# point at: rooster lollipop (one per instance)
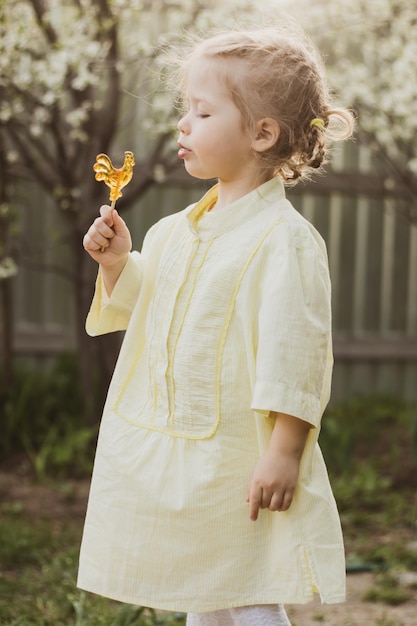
(115, 178)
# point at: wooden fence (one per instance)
(373, 263)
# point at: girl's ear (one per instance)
(266, 134)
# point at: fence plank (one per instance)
(372, 258)
(359, 266)
(334, 247)
(387, 267)
(411, 325)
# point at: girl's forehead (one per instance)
(220, 71)
(205, 75)
(201, 64)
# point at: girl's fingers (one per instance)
(255, 503)
(275, 503)
(266, 499)
(102, 228)
(91, 245)
(106, 213)
(108, 232)
(98, 235)
(94, 240)
(287, 500)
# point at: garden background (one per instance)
(81, 77)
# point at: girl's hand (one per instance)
(108, 239)
(275, 476)
(272, 483)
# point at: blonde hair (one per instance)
(276, 73)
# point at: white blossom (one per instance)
(369, 46)
(8, 268)
(36, 73)
(412, 166)
(371, 54)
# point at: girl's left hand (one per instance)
(273, 482)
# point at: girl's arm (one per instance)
(108, 242)
(275, 476)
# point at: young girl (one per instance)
(209, 493)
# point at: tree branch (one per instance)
(105, 120)
(45, 26)
(35, 170)
(145, 176)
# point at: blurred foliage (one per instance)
(42, 416)
(371, 440)
(38, 561)
(367, 443)
(388, 590)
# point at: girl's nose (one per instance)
(184, 125)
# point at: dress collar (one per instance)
(207, 224)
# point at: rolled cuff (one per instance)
(110, 314)
(277, 397)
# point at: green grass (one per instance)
(386, 622)
(370, 448)
(387, 590)
(38, 563)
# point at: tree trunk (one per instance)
(97, 355)
(86, 348)
(7, 331)
(6, 285)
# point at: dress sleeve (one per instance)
(293, 354)
(109, 314)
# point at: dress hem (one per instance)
(215, 606)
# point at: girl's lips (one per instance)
(183, 152)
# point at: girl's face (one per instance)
(212, 141)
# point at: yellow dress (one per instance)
(228, 318)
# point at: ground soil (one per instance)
(356, 612)
(67, 501)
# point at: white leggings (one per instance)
(259, 615)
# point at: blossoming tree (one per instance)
(371, 55)
(65, 69)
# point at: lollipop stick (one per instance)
(113, 204)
